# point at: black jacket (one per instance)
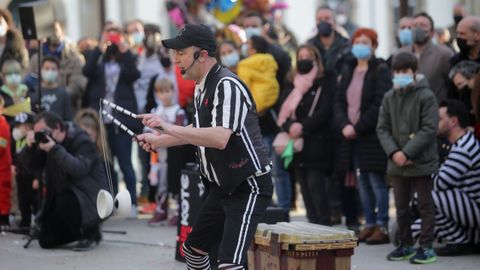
(333, 58)
(377, 81)
(124, 96)
(72, 165)
(317, 150)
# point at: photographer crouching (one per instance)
(73, 174)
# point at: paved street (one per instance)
(147, 248)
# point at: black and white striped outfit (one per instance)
(456, 194)
(238, 176)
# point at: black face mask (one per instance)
(463, 46)
(465, 90)
(304, 66)
(420, 36)
(324, 29)
(165, 61)
(457, 19)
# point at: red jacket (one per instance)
(5, 153)
(186, 88)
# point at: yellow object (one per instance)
(259, 74)
(22, 107)
(229, 16)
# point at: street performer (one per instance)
(232, 157)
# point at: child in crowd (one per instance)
(258, 71)
(407, 128)
(172, 112)
(5, 167)
(12, 90)
(26, 179)
(54, 97)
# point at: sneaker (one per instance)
(148, 208)
(401, 253)
(173, 221)
(158, 219)
(455, 250)
(424, 256)
(133, 212)
(365, 233)
(378, 237)
(85, 245)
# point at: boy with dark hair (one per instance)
(54, 97)
(5, 167)
(407, 129)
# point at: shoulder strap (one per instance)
(315, 101)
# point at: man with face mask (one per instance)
(433, 60)
(332, 46)
(459, 12)
(468, 40)
(73, 176)
(463, 77)
(404, 36)
(71, 63)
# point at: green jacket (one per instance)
(408, 121)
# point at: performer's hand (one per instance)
(146, 141)
(154, 121)
(47, 146)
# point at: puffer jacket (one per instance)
(408, 122)
(259, 74)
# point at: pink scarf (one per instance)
(301, 84)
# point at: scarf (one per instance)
(301, 84)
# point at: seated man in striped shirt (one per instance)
(233, 159)
(456, 190)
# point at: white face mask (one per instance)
(3, 30)
(17, 134)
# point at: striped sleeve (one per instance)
(458, 165)
(230, 105)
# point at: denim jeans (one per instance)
(121, 146)
(374, 194)
(373, 191)
(281, 178)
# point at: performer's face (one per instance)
(185, 60)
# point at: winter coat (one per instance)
(123, 96)
(70, 74)
(72, 165)
(408, 122)
(333, 58)
(15, 48)
(317, 136)
(377, 81)
(258, 72)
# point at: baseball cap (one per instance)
(193, 35)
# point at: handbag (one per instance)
(282, 139)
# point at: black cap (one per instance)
(193, 35)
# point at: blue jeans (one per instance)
(281, 178)
(121, 146)
(373, 191)
(374, 194)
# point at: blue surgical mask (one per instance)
(244, 50)
(361, 51)
(138, 37)
(405, 36)
(13, 79)
(50, 75)
(230, 60)
(253, 31)
(401, 81)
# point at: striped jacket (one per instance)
(461, 169)
(222, 100)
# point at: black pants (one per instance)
(28, 198)
(314, 191)
(231, 220)
(61, 223)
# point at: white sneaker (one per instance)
(133, 212)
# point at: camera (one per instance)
(41, 136)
